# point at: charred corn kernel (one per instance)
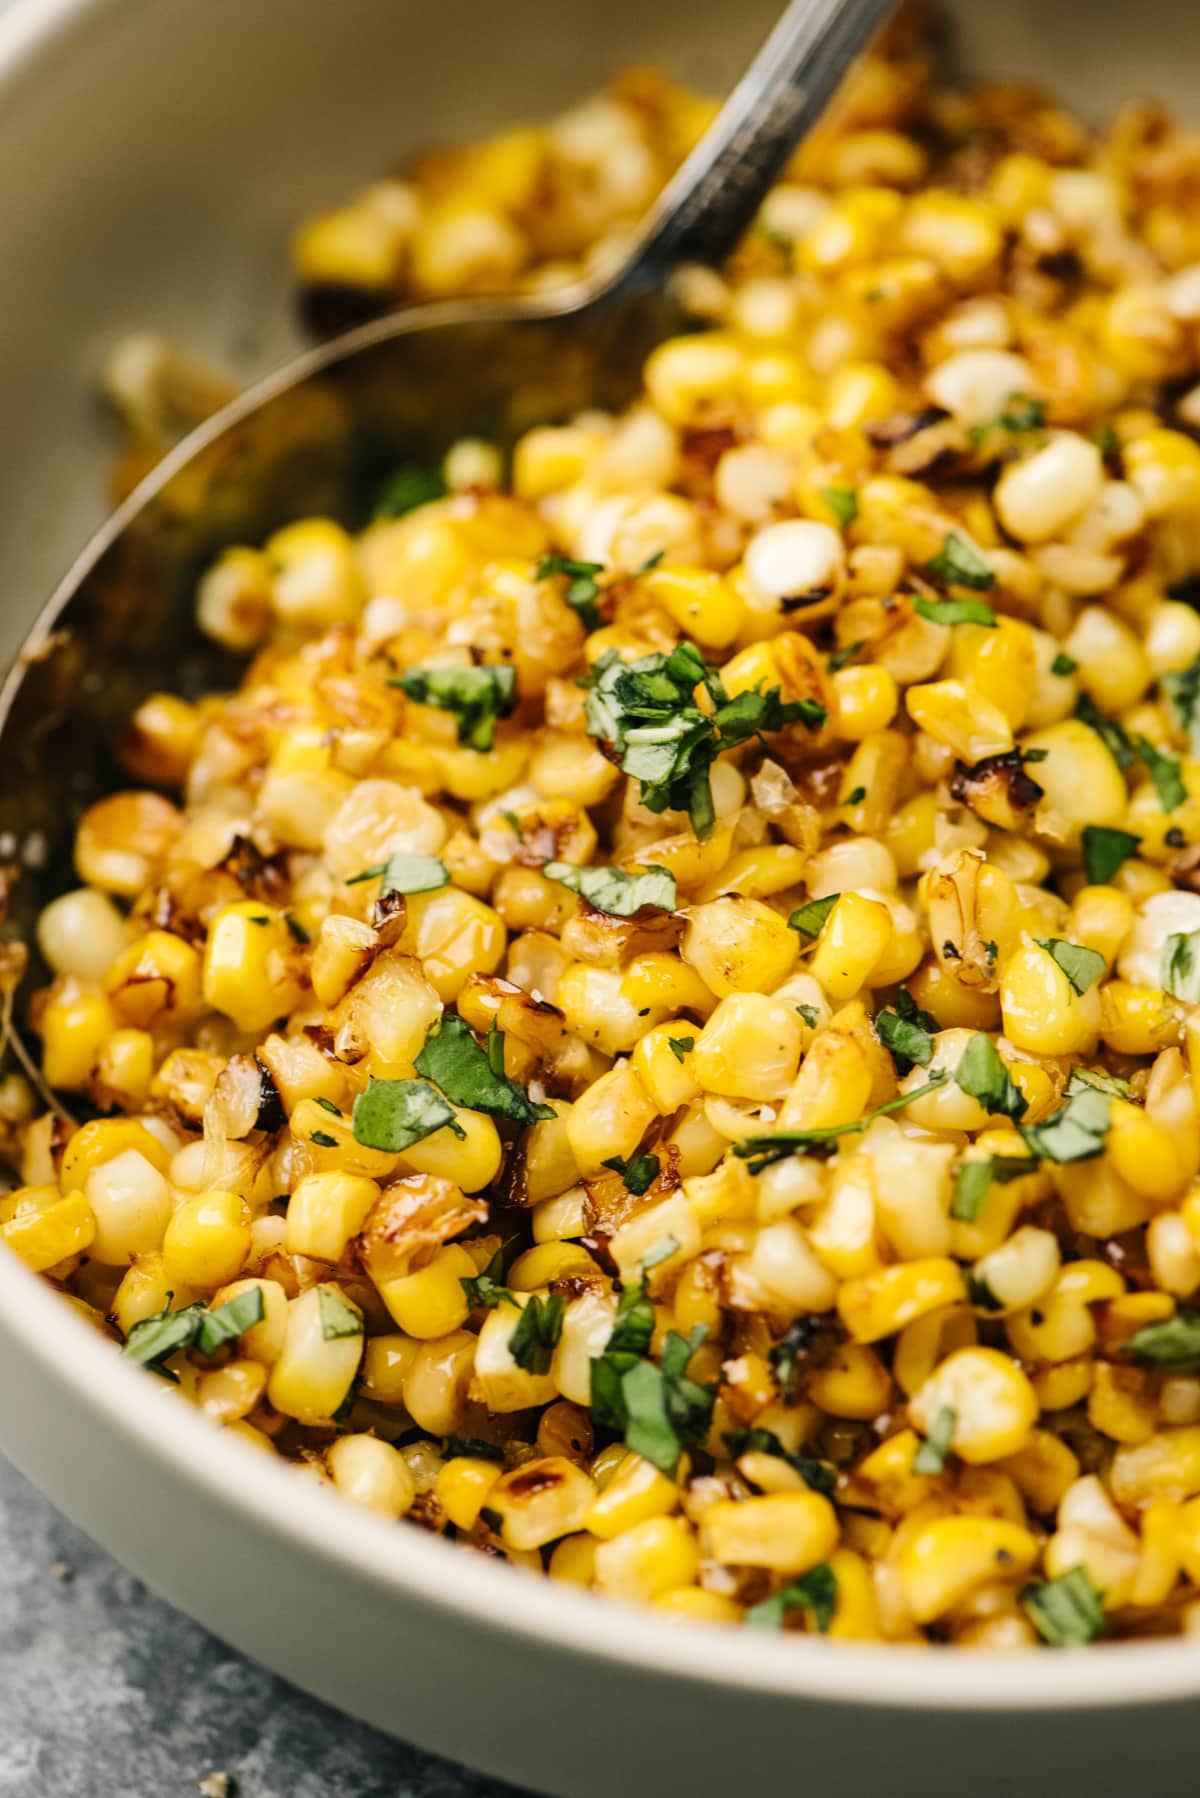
(372, 1475)
(44, 1237)
(653, 1557)
(431, 1302)
(549, 1261)
(541, 1501)
(233, 600)
(325, 1211)
(206, 1241)
(121, 841)
(462, 1488)
(320, 1355)
(343, 950)
(994, 1405)
(249, 966)
(853, 940)
(1164, 468)
(853, 1383)
(156, 979)
(957, 715)
(786, 1531)
(124, 1067)
(610, 1118)
(76, 1024)
(881, 1303)
(1166, 1465)
(1042, 1011)
(948, 1558)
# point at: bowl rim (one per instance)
(410, 1562)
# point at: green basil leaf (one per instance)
(683, 1045)
(808, 919)
(983, 1075)
(582, 590)
(909, 1042)
(842, 502)
(230, 1320)
(959, 563)
(931, 1456)
(152, 1340)
(535, 1338)
(1183, 697)
(1179, 973)
(1166, 774)
(814, 1591)
(1067, 1612)
(763, 1151)
(973, 1181)
(410, 487)
(473, 1447)
(810, 1015)
(405, 873)
(391, 1115)
(338, 1316)
(1076, 1131)
(454, 1061)
(487, 1290)
(1082, 967)
(614, 891)
(819, 1476)
(1115, 740)
(1172, 1342)
(1104, 850)
(1063, 663)
(476, 696)
(955, 611)
(639, 1173)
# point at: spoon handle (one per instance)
(708, 204)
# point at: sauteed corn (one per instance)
(657, 1033)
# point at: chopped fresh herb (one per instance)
(949, 950)
(633, 1326)
(154, 1339)
(973, 1182)
(405, 873)
(656, 1408)
(230, 1320)
(1172, 1342)
(1104, 850)
(809, 1014)
(582, 590)
(296, 928)
(1165, 773)
(1033, 755)
(487, 1289)
(840, 657)
(983, 1075)
(338, 1316)
(1076, 1131)
(513, 822)
(931, 1456)
(808, 919)
(329, 1106)
(454, 1061)
(645, 715)
(410, 487)
(614, 891)
(477, 697)
(955, 611)
(323, 1139)
(1067, 1612)
(393, 1114)
(959, 563)
(533, 1342)
(1023, 413)
(491, 1519)
(980, 1294)
(763, 1151)
(1179, 973)
(639, 1173)
(818, 1475)
(494, 1049)
(1106, 440)
(1115, 740)
(259, 919)
(906, 1032)
(662, 1251)
(842, 502)
(1183, 697)
(473, 1447)
(1063, 663)
(795, 1342)
(681, 1046)
(1082, 967)
(814, 1591)
(855, 796)
(991, 950)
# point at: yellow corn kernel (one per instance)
(651, 1558)
(1159, 1562)
(1121, 1404)
(1146, 1155)
(738, 945)
(1080, 779)
(206, 1241)
(325, 1211)
(1101, 919)
(102, 1140)
(131, 1204)
(788, 1532)
(1164, 468)
(758, 873)
(610, 1118)
(548, 1261)
(881, 1303)
(749, 1048)
(1166, 1465)
(343, 950)
(852, 1383)
(1042, 1011)
(462, 1488)
(1043, 1470)
(574, 1560)
(867, 697)
(44, 1237)
(454, 935)
(431, 1302)
(943, 1562)
(955, 714)
(696, 1605)
(264, 1340)
(855, 1613)
(888, 1471)
(499, 1381)
(550, 1165)
(320, 1355)
(125, 1068)
(663, 980)
(833, 1085)
(685, 374)
(156, 978)
(636, 1491)
(160, 739)
(315, 578)
(853, 941)
(704, 605)
(76, 1024)
(250, 965)
(926, 1341)
(994, 1405)
(121, 841)
(371, 1474)
(998, 664)
(1136, 1020)
(540, 1501)
(666, 1072)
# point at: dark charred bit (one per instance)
(996, 788)
(511, 1192)
(571, 1286)
(898, 427)
(1061, 265)
(796, 602)
(1175, 838)
(1185, 869)
(271, 1114)
(259, 876)
(532, 1480)
(328, 308)
(704, 445)
(597, 1246)
(389, 914)
(321, 1037)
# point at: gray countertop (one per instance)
(105, 1692)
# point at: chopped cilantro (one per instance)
(1165, 773)
(1082, 967)
(639, 1173)
(1063, 663)
(405, 873)
(154, 1339)
(338, 1316)
(955, 611)
(477, 697)
(487, 1289)
(393, 1114)
(1076, 1131)
(906, 1032)
(454, 1061)
(654, 1405)
(582, 590)
(809, 1014)
(842, 502)
(1183, 696)
(1104, 850)
(1115, 740)
(1067, 1612)
(323, 1139)
(410, 487)
(959, 563)
(814, 1591)
(840, 657)
(973, 1181)
(683, 1045)
(808, 919)
(855, 796)
(662, 1251)
(614, 891)
(983, 1075)
(931, 1456)
(1172, 1342)
(535, 1338)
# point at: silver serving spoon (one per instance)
(319, 435)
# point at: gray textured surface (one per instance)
(107, 1693)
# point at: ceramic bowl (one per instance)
(153, 156)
